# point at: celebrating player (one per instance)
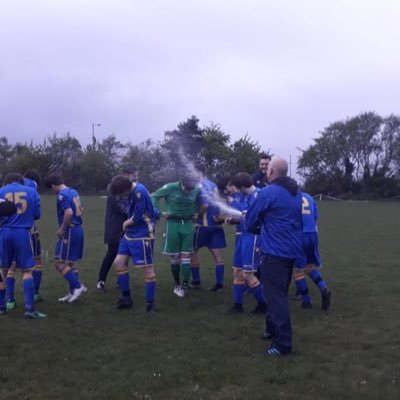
(69, 247)
(208, 233)
(310, 261)
(137, 240)
(246, 256)
(15, 238)
(182, 200)
(31, 179)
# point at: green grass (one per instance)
(193, 349)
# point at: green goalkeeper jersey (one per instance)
(178, 203)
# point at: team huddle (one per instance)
(276, 238)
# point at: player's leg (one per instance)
(37, 269)
(255, 288)
(121, 268)
(150, 285)
(239, 288)
(172, 248)
(186, 269)
(25, 261)
(175, 261)
(315, 274)
(302, 287)
(10, 289)
(186, 249)
(62, 257)
(195, 259)
(250, 261)
(239, 284)
(112, 251)
(142, 257)
(75, 254)
(3, 273)
(217, 242)
(299, 272)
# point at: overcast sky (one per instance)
(280, 70)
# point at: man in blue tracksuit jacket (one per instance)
(276, 214)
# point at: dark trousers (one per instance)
(112, 251)
(276, 274)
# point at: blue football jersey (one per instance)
(249, 201)
(27, 201)
(142, 212)
(208, 197)
(239, 202)
(309, 212)
(69, 198)
(30, 183)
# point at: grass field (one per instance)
(192, 348)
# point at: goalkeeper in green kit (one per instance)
(182, 201)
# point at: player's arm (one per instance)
(7, 208)
(67, 217)
(256, 212)
(119, 204)
(138, 212)
(66, 222)
(159, 194)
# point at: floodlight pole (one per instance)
(93, 137)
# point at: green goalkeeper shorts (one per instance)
(178, 237)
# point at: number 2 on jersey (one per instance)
(305, 209)
(78, 206)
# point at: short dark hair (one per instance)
(129, 169)
(119, 184)
(265, 156)
(53, 179)
(13, 177)
(190, 181)
(33, 175)
(223, 182)
(242, 179)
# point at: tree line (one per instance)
(89, 169)
(356, 157)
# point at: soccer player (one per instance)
(260, 177)
(69, 247)
(116, 213)
(15, 238)
(309, 262)
(182, 200)
(208, 233)
(247, 255)
(32, 180)
(137, 240)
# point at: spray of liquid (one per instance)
(212, 198)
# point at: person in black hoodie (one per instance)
(116, 213)
(260, 177)
(276, 214)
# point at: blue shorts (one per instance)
(212, 237)
(70, 247)
(140, 250)
(16, 245)
(37, 248)
(246, 255)
(310, 251)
